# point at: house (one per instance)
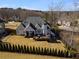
(35, 26)
(2, 27)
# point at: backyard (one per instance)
(21, 40)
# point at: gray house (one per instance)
(2, 27)
(35, 26)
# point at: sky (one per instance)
(37, 4)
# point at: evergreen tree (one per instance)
(42, 51)
(67, 53)
(7, 46)
(10, 47)
(59, 53)
(64, 53)
(56, 52)
(33, 49)
(27, 49)
(36, 50)
(24, 49)
(2, 47)
(50, 51)
(13, 48)
(16, 49)
(53, 52)
(19, 48)
(30, 50)
(45, 52)
(39, 50)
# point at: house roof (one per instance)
(35, 20)
(28, 26)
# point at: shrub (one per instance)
(21, 49)
(34, 50)
(42, 51)
(24, 49)
(30, 49)
(9, 47)
(50, 51)
(27, 49)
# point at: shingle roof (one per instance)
(35, 20)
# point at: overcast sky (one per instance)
(37, 4)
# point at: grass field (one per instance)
(14, 39)
(12, 25)
(8, 55)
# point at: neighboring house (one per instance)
(64, 21)
(2, 27)
(35, 26)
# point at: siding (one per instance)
(19, 30)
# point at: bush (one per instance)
(24, 49)
(50, 51)
(30, 49)
(42, 51)
(21, 49)
(34, 50)
(9, 47)
(27, 49)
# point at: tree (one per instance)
(42, 51)
(56, 52)
(33, 49)
(59, 53)
(55, 6)
(24, 49)
(30, 49)
(36, 50)
(45, 51)
(39, 50)
(27, 49)
(10, 47)
(50, 52)
(19, 48)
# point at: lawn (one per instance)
(12, 25)
(21, 40)
(8, 55)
